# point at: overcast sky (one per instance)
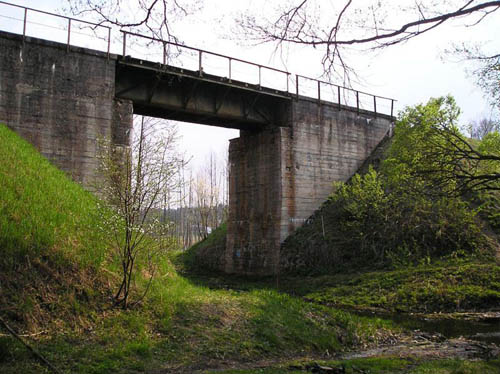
(411, 73)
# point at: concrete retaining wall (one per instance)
(61, 101)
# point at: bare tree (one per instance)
(208, 191)
(134, 181)
(480, 128)
(337, 26)
(155, 17)
(484, 69)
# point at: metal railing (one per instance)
(69, 20)
(339, 95)
(201, 53)
(341, 91)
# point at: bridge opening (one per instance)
(297, 134)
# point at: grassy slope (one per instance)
(56, 278)
(50, 248)
(447, 286)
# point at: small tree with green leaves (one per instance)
(430, 150)
(134, 181)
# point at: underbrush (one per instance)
(190, 326)
(367, 225)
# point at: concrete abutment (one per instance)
(280, 176)
(62, 101)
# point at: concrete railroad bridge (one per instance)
(291, 146)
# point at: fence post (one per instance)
(124, 42)
(297, 85)
(287, 83)
(164, 53)
(260, 76)
(109, 40)
(69, 34)
(24, 24)
(319, 92)
(375, 105)
(392, 107)
(338, 95)
(200, 68)
(229, 69)
(357, 101)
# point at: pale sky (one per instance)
(411, 73)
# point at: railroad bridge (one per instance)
(297, 134)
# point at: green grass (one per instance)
(443, 287)
(50, 245)
(56, 276)
(206, 255)
(42, 213)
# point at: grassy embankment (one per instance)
(57, 277)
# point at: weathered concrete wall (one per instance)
(279, 178)
(254, 202)
(61, 101)
(322, 145)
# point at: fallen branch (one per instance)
(30, 348)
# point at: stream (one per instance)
(483, 327)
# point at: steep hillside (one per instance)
(50, 248)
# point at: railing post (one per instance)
(200, 67)
(319, 92)
(69, 34)
(260, 76)
(287, 83)
(164, 53)
(229, 69)
(338, 95)
(392, 107)
(109, 40)
(375, 104)
(297, 85)
(124, 43)
(24, 23)
(357, 101)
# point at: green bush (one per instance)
(379, 226)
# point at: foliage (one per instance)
(429, 152)
(134, 181)
(45, 288)
(394, 226)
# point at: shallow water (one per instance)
(487, 330)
